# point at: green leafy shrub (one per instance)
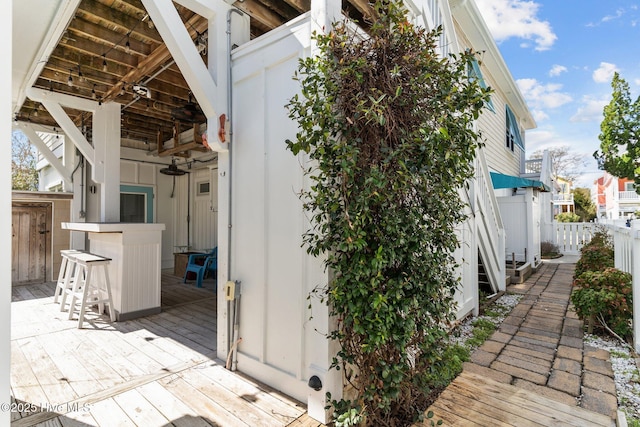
(605, 295)
(600, 238)
(594, 257)
(387, 125)
(567, 217)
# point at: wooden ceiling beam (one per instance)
(364, 7)
(158, 57)
(101, 51)
(301, 6)
(89, 30)
(259, 12)
(114, 19)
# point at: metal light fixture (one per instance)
(70, 79)
(104, 62)
(172, 170)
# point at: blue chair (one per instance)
(201, 264)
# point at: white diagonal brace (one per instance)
(174, 34)
(70, 130)
(40, 95)
(47, 153)
(52, 101)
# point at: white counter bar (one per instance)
(134, 272)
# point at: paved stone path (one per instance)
(539, 346)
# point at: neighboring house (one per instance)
(563, 197)
(615, 198)
(243, 198)
(520, 187)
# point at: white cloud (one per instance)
(556, 70)
(617, 15)
(590, 110)
(541, 96)
(637, 81)
(604, 73)
(517, 18)
(539, 116)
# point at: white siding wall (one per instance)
(204, 211)
(492, 126)
(515, 225)
(281, 344)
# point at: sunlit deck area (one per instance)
(153, 371)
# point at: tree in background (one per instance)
(24, 175)
(619, 152)
(564, 163)
(567, 217)
(585, 208)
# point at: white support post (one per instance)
(106, 168)
(104, 155)
(319, 355)
(531, 224)
(635, 265)
(5, 212)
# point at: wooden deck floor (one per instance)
(155, 371)
(472, 400)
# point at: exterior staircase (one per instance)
(489, 230)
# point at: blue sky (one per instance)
(562, 54)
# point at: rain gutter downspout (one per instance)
(232, 306)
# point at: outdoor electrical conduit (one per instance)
(233, 307)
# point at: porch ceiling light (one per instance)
(172, 170)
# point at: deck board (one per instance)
(479, 401)
(170, 406)
(153, 371)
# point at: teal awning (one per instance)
(507, 181)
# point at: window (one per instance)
(136, 204)
(202, 188)
(132, 207)
(474, 73)
(629, 186)
(513, 136)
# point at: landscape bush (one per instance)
(594, 257)
(605, 297)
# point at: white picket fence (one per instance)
(626, 242)
(570, 237)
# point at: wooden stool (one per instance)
(87, 289)
(65, 277)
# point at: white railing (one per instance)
(491, 235)
(626, 242)
(570, 237)
(533, 166)
(628, 196)
(568, 198)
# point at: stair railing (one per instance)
(490, 230)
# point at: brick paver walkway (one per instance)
(539, 347)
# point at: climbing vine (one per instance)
(387, 125)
